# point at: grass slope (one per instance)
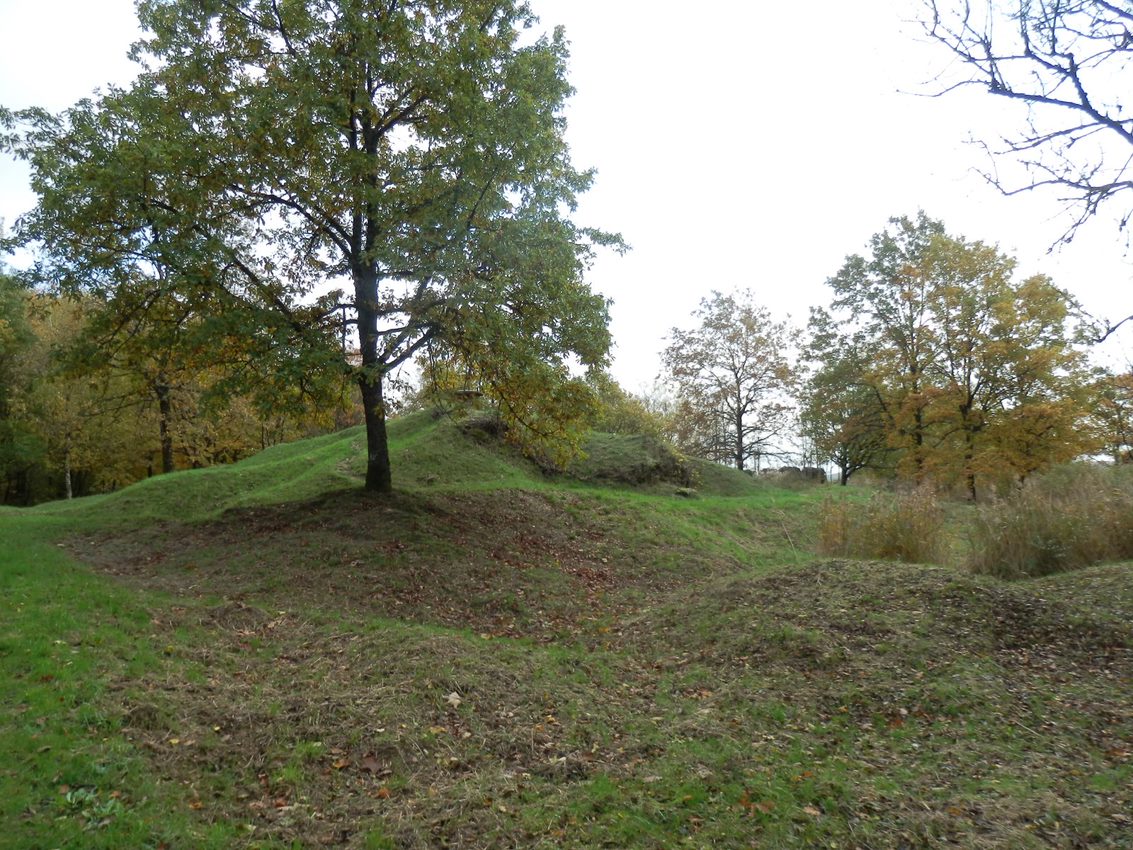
(263, 656)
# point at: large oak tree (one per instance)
(411, 153)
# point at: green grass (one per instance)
(263, 656)
(67, 777)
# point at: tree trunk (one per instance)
(918, 444)
(379, 478)
(378, 475)
(739, 439)
(969, 457)
(165, 414)
(67, 489)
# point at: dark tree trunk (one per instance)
(165, 415)
(378, 475)
(68, 491)
(739, 439)
(918, 443)
(969, 457)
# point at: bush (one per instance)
(620, 412)
(1072, 517)
(904, 526)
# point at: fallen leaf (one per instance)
(454, 699)
(371, 765)
(812, 811)
(382, 793)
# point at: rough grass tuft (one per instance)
(1072, 517)
(906, 526)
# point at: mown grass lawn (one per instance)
(262, 656)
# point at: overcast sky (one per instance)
(740, 145)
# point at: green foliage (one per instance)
(620, 412)
(414, 150)
(841, 414)
(1113, 414)
(625, 445)
(80, 419)
(904, 526)
(534, 401)
(1069, 518)
(21, 449)
(14, 331)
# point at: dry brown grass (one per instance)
(1073, 517)
(905, 526)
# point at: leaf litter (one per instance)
(835, 703)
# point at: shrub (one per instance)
(906, 526)
(1072, 517)
(619, 412)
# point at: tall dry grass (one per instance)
(1071, 517)
(905, 526)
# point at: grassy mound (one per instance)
(633, 459)
(262, 656)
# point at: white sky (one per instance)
(743, 145)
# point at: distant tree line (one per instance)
(78, 416)
(933, 362)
